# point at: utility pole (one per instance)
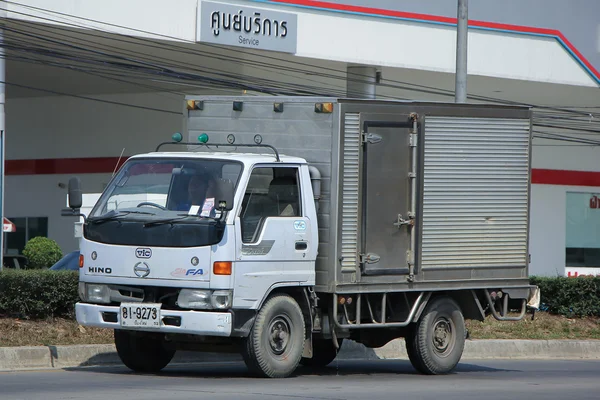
(2, 126)
(462, 26)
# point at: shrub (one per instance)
(579, 297)
(38, 294)
(42, 252)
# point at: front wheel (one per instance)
(275, 344)
(142, 353)
(436, 343)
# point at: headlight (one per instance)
(96, 293)
(197, 299)
(221, 299)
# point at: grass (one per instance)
(14, 332)
(544, 326)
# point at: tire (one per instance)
(142, 353)
(324, 352)
(438, 339)
(274, 347)
(411, 350)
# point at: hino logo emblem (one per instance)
(141, 269)
(143, 252)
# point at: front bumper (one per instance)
(173, 321)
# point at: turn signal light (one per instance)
(195, 105)
(81, 261)
(222, 268)
(324, 107)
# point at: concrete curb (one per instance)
(488, 349)
(56, 357)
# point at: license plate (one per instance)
(140, 315)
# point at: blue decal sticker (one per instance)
(300, 225)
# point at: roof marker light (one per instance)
(203, 138)
(324, 107)
(177, 137)
(195, 104)
(238, 105)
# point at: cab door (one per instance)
(273, 235)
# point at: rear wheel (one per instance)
(436, 343)
(324, 352)
(275, 344)
(142, 352)
(411, 350)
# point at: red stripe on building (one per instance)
(446, 20)
(106, 165)
(564, 177)
(54, 166)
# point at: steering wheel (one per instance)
(148, 203)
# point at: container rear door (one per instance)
(476, 196)
(386, 195)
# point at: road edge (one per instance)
(58, 357)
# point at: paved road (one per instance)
(381, 379)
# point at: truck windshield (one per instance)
(165, 188)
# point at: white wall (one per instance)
(40, 196)
(547, 230)
(339, 37)
(547, 238)
(428, 47)
(148, 18)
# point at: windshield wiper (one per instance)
(175, 219)
(167, 220)
(112, 215)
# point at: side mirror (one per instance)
(75, 199)
(225, 195)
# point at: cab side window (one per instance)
(271, 192)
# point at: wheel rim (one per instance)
(279, 334)
(443, 337)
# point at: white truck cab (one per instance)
(159, 260)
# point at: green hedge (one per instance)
(42, 252)
(572, 297)
(35, 294)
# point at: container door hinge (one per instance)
(413, 140)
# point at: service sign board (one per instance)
(248, 27)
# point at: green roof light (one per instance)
(203, 138)
(177, 137)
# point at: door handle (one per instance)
(301, 245)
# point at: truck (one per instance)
(313, 220)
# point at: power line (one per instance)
(437, 91)
(91, 98)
